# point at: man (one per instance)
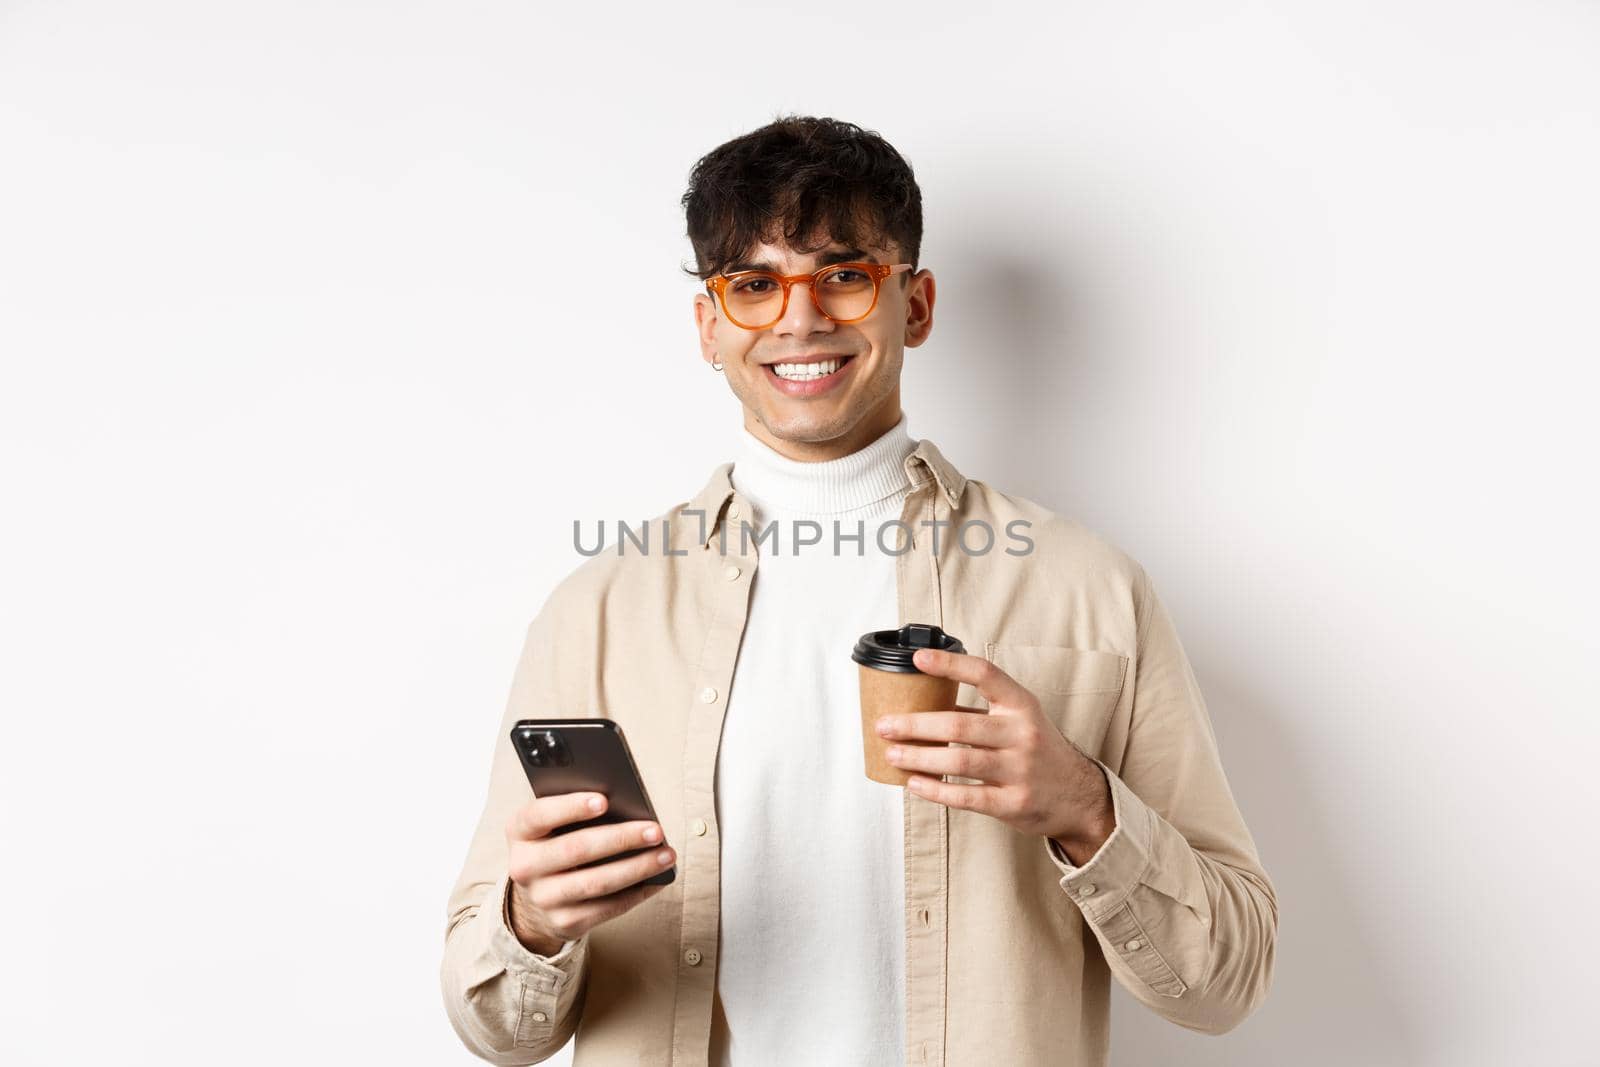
(1067, 821)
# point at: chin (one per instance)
(805, 430)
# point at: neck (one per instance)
(869, 429)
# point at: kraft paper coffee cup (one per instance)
(892, 685)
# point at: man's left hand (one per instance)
(1034, 779)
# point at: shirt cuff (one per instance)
(1104, 882)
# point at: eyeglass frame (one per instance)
(718, 285)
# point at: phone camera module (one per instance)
(546, 750)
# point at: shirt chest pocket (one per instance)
(1077, 687)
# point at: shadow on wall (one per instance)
(1329, 1003)
(1032, 366)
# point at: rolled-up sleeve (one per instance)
(1177, 896)
(507, 1004)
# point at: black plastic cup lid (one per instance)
(891, 650)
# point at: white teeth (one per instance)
(806, 372)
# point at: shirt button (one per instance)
(708, 695)
(540, 1017)
(730, 573)
(733, 511)
(699, 827)
(1086, 889)
(692, 957)
(1134, 946)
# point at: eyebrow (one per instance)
(827, 259)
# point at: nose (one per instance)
(801, 317)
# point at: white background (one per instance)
(321, 322)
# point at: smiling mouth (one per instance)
(808, 372)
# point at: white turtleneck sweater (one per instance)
(811, 967)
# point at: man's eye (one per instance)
(753, 285)
(847, 276)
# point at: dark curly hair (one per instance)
(801, 178)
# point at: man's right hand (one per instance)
(551, 901)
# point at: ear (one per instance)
(919, 308)
(705, 325)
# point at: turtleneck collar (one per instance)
(774, 482)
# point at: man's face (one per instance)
(848, 409)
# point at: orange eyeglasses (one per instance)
(843, 292)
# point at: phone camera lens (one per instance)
(546, 750)
(557, 752)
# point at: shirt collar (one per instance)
(925, 463)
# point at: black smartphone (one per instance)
(588, 756)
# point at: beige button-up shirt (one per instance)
(1009, 948)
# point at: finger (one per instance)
(592, 913)
(984, 763)
(563, 852)
(980, 798)
(592, 883)
(969, 726)
(541, 816)
(996, 685)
